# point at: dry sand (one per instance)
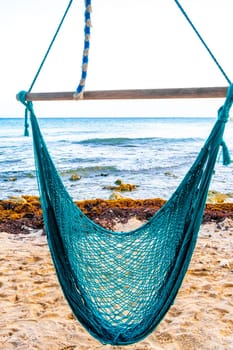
(35, 315)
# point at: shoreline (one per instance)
(20, 214)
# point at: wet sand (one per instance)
(35, 315)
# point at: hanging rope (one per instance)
(79, 91)
(202, 40)
(87, 31)
(87, 28)
(21, 96)
(50, 46)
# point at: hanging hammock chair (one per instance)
(120, 285)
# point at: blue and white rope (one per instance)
(87, 31)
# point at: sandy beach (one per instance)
(35, 315)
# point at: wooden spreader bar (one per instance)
(171, 93)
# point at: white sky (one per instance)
(134, 44)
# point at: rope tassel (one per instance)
(26, 124)
(223, 116)
(226, 158)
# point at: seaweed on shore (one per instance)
(22, 214)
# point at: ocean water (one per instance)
(152, 153)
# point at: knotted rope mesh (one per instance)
(120, 285)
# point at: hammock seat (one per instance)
(120, 285)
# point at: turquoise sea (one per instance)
(152, 153)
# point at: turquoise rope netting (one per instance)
(120, 285)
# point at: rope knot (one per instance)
(22, 97)
(223, 112)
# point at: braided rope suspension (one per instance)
(50, 45)
(87, 31)
(203, 41)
